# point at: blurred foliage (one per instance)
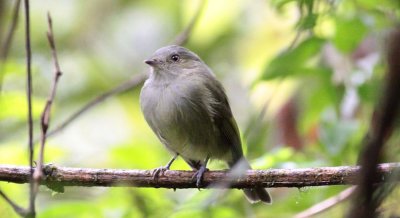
(323, 56)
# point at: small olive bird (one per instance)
(188, 110)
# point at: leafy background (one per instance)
(302, 78)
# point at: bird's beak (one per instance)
(152, 62)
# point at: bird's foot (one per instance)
(159, 171)
(199, 176)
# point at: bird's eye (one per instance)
(175, 58)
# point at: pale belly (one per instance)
(183, 126)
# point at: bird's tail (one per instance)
(253, 195)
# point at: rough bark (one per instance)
(322, 176)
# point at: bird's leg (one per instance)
(157, 171)
(200, 172)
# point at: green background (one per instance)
(316, 65)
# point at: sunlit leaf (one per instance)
(349, 33)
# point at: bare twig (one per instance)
(365, 202)
(126, 86)
(5, 48)
(323, 176)
(19, 210)
(30, 212)
(45, 118)
(326, 204)
(135, 81)
(184, 35)
(31, 207)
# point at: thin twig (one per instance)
(5, 48)
(29, 96)
(326, 204)
(322, 176)
(30, 212)
(126, 86)
(45, 118)
(135, 81)
(295, 40)
(184, 35)
(19, 210)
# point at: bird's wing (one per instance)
(221, 115)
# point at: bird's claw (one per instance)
(156, 172)
(199, 176)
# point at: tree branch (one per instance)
(5, 48)
(322, 176)
(326, 204)
(366, 202)
(19, 210)
(126, 86)
(184, 35)
(45, 118)
(31, 208)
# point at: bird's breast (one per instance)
(183, 120)
(158, 104)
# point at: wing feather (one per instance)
(221, 114)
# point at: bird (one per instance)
(188, 110)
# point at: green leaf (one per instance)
(294, 61)
(55, 188)
(308, 22)
(349, 33)
(320, 94)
